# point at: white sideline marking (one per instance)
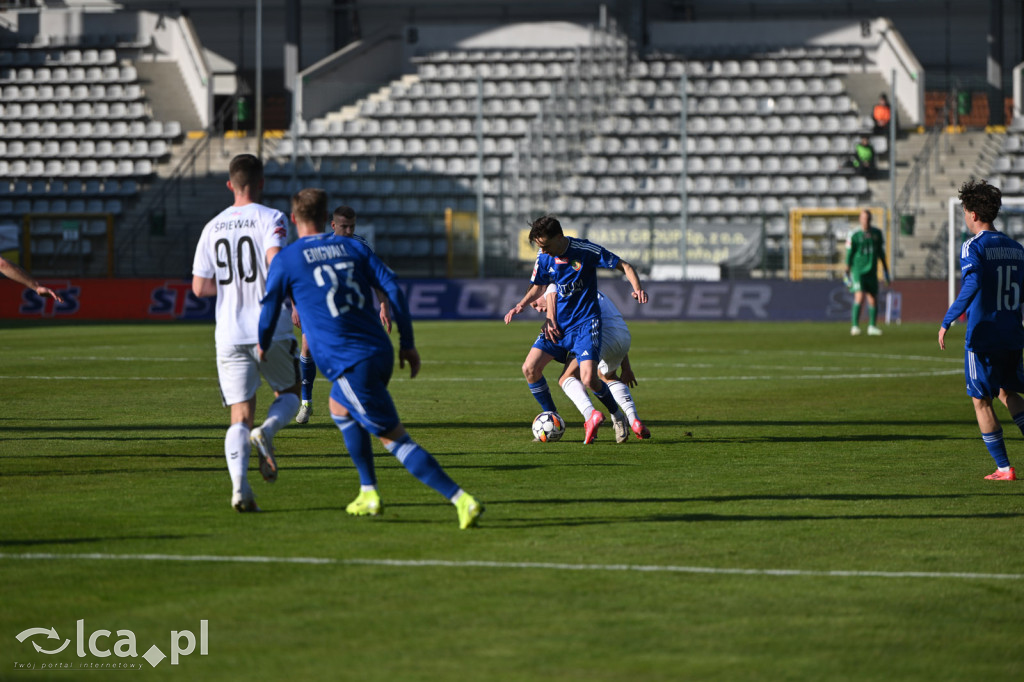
(428, 563)
(422, 379)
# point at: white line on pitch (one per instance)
(429, 563)
(422, 379)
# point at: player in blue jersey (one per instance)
(343, 222)
(615, 343)
(992, 279)
(330, 279)
(571, 265)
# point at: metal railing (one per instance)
(169, 192)
(908, 201)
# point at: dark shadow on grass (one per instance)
(164, 455)
(880, 422)
(709, 423)
(82, 541)
(831, 497)
(862, 438)
(509, 524)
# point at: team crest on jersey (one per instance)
(576, 265)
(280, 229)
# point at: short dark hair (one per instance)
(546, 226)
(309, 205)
(982, 198)
(245, 170)
(345, 212)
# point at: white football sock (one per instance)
(624, 398)
(236, 451)
(282, 411)
(577, 393)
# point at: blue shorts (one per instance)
(986, 373)
(363, 390)
(583, 341)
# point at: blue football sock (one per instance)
(996, 447)
(542, 393)
(422, 465)
(607, 399)
(357, 440)
(1018, 419)
(307, 370)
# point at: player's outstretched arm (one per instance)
(531, 294)
(18, 274)
(634, 279)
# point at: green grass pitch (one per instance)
(811, 507)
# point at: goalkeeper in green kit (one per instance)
(864, 249)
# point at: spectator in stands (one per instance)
(16, 273)
(863, 159)
(882, 113)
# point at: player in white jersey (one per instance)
(231, 261)
(615, 344)
(343, 222)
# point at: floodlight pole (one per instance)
(480, 175)
(893, 218)
(259, 79)
(683, 195)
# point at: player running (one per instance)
(615, 343)
(992, 274)
(330, 279)
(231, 263)
(343, 222)
(571, 264)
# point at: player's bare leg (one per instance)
(533, 370)
(589, 377)
(992, 436)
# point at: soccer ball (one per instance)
(548, 427)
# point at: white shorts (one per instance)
(239, 369)
(614, 347)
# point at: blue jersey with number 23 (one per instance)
(331, 281)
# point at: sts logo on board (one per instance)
(44, 306)
(175, 299)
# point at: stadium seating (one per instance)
(765, 132)
(74, 120)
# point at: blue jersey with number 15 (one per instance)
(331, 281)
(992, 274)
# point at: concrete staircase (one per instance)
(165, 92)
(959, 156)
